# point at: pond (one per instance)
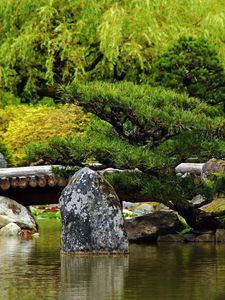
(34, 269)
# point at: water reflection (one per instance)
(30, 269)
(33, 270)
(174, 271)
(93, 277)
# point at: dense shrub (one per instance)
(192, 65)
(23, 124)
(7, 98)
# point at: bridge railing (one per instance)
(34, 176)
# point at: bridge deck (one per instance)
(38, 185)
(31, 185)
(23, 177)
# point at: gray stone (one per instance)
(92, 220)
(220, 235)
(149, 227)
(127, 205)
(212, 166)
(171, 238)
(191, 168)
(3, 163)
(163, 207)
(206, 237)
(198, 200)
(144, 208)
(10, 230)
(11, 211)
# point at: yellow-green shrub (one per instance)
(20, 125)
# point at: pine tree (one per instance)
(151, 129)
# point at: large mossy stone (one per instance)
(217, 205)
(92, 220)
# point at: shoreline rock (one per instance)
(150, 226)
(14, 218)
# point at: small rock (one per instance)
(171, 238)
(10, 230)
(189, 237)
(198, 200)
(144, 209)
(206, 237)
(127, 205)
(162, 207)
(11, 211)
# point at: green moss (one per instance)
(216, 205)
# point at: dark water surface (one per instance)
(34, 269)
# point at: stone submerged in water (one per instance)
(92, 220)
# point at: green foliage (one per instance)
(45, 212)
(7, 98)
(47, 43)
(151, 129)
(20, 125)
(144, 115)
(99, 143)
(216, 184)
(127, 182)
(6, 153)
(192, 65)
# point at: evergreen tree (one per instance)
(192, 66)
(151, 129)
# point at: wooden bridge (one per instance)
(38, 185)
(31, 185)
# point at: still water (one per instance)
(34, 269)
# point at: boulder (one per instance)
(212, 166)
(92, 220)
(13, 212)
(10, 230)
(217, 205)
(3, 163)
(149, 227)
